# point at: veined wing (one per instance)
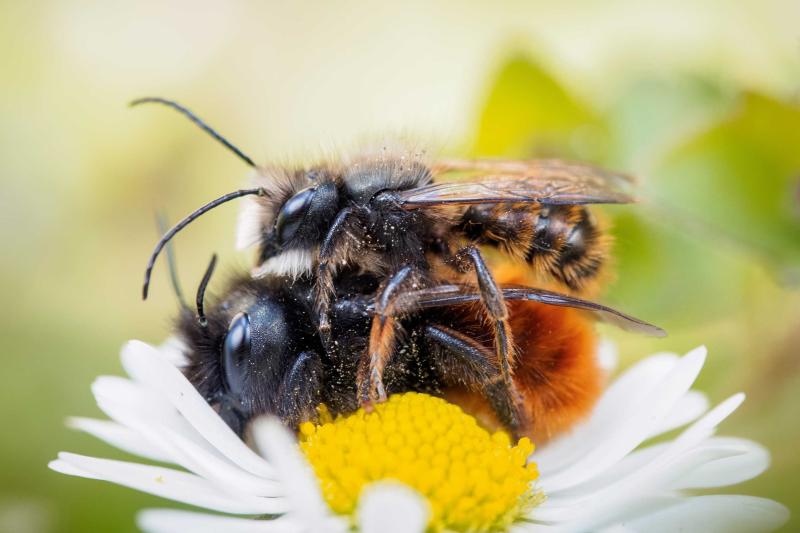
(546, 181)
(447, 295)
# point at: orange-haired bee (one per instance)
(389, 217)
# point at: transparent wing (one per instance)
(447, 295)
(545, 181)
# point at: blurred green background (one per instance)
(699, 99)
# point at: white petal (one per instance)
(296, 476)
(135, 404)
(714, 514)
(134, 395)
(751, 462)
(167, 483)
(165, 428)
(606, 495)
(69, 469)
(594, 519)
(171, 521)
(147, 412)
(637, 423)
(174, 350)
(132, 404)
(708, 423)
(145, 364)
(633, 383)
(533, 527)
(628, 466)
(695, 437)
(607, 355)
(623, 498)
(597, 507)
(388, 507)
(213, 466)
(692, 405)
(120, 437)
(627, 390)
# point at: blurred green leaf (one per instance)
(654, 112)
(722, 200)
(669, 272)
(738, 181)
(528, 112)
(669, 275)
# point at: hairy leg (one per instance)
(301, 391)
(470, 258)
(382, 336)
(324, 289)
(462, 361)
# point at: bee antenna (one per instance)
(161, 221)
(198, 121)
(201, 291)
(185, 222)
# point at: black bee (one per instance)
(384, 217)
(256, 351)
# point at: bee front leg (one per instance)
(301, 390)
(324, 290)
(369, 379)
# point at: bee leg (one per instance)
(470, 258)
(301, 391)
(462, 361)
(382, 337)
(324, 289)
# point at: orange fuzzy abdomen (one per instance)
(556, 367)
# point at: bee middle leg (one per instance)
(470, 258)
(369, 379)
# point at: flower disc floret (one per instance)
(473, 480)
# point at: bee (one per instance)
(256, 351)
(391, 218)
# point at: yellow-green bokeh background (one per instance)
(698, 98)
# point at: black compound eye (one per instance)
(236, 352)
(292, 214)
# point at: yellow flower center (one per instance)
(472, 480)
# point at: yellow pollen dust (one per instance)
(473, 480)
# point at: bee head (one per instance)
(290, 220)
(241, 352)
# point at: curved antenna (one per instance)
(201, 291)
(185, 222)
(161, 221)
(197, 120)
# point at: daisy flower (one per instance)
(418, 463)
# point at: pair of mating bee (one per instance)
(370, 280)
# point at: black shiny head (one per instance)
(243, 360)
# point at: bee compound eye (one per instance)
(292, 214)
(236, 352)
